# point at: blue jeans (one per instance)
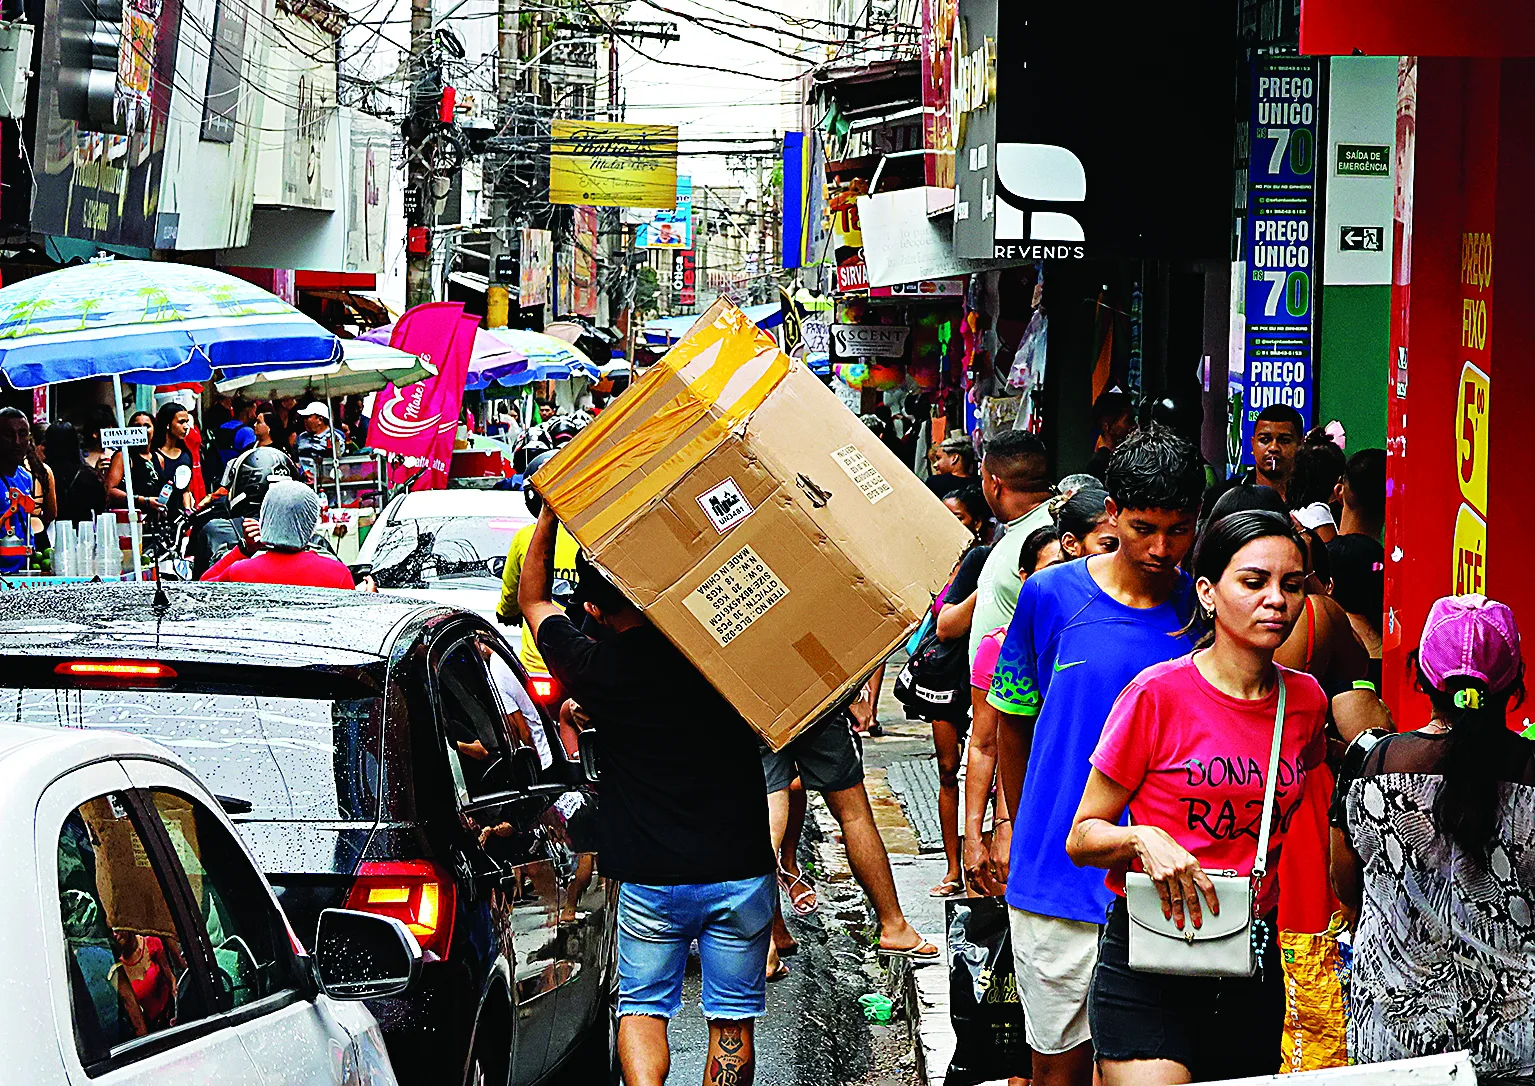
(732, 922)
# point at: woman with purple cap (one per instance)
(1433, 846)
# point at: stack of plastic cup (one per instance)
(63, 533)
(110, 547)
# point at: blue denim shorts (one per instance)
(732, 922)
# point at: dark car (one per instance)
(377, 755)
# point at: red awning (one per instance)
(317, 280)
(1433, 28)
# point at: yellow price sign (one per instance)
(1471, 436)
(1469, 567)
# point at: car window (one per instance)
(252, 954)
(523, 721)
(128, 973)
(289, 758)
(472, 724)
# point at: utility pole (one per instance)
(420, 198)
(498, 297)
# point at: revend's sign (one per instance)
(1049, 164)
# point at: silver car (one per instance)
(146, 946)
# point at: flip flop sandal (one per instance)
(780, 973)
(947, 888)
(803, 901)
(922, 952)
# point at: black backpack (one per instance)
(936, 677)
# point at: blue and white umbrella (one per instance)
(548, 359)
(154, 320)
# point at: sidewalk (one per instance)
(901, 772)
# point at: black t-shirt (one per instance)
(944, 485)
(968, 576)
(682, 798)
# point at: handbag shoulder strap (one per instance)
(1261, 862)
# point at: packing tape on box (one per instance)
(728, 368)
(821, 661)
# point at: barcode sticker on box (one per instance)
(861, 470)
(736, 595)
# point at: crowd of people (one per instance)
(1172, 679)
(221, 469)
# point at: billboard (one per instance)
(608, 164)
(584, 264)
(670, 229)
(535, 262)
(100, 138)
(940, 20)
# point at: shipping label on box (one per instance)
(739, 594)
(861, 470)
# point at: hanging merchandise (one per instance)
(852, 374)
(885, 374)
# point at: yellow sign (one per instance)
(1469, 573)
(607, 164)
(1471, 436)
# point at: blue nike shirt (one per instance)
(1070, 650)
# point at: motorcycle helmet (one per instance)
(531, 497)
(253, 473)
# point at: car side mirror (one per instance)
(364, 956)
(587, 744)
(496, 565)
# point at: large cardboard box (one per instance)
(757, 521)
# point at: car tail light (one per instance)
(542, 688)
(416, 892)
(124, 670)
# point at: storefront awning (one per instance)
(1467, 28)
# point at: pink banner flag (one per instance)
(406, 421)
(450, 403)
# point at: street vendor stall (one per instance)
(158, 322)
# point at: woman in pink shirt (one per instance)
(1186, 751)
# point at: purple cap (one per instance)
(1471, 636)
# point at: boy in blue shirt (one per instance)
(15, 443)
(1082, 631)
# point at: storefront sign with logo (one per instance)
(687, 294)
(869, 340)
(1280, 242)
(1041, 173)
(852, 275)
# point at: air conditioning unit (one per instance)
(15, 67)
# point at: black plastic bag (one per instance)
(989, 1041)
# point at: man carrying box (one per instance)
(682, 821)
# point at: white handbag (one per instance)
(1224, 945)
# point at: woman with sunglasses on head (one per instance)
(1432, 853)
(1209, 753)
